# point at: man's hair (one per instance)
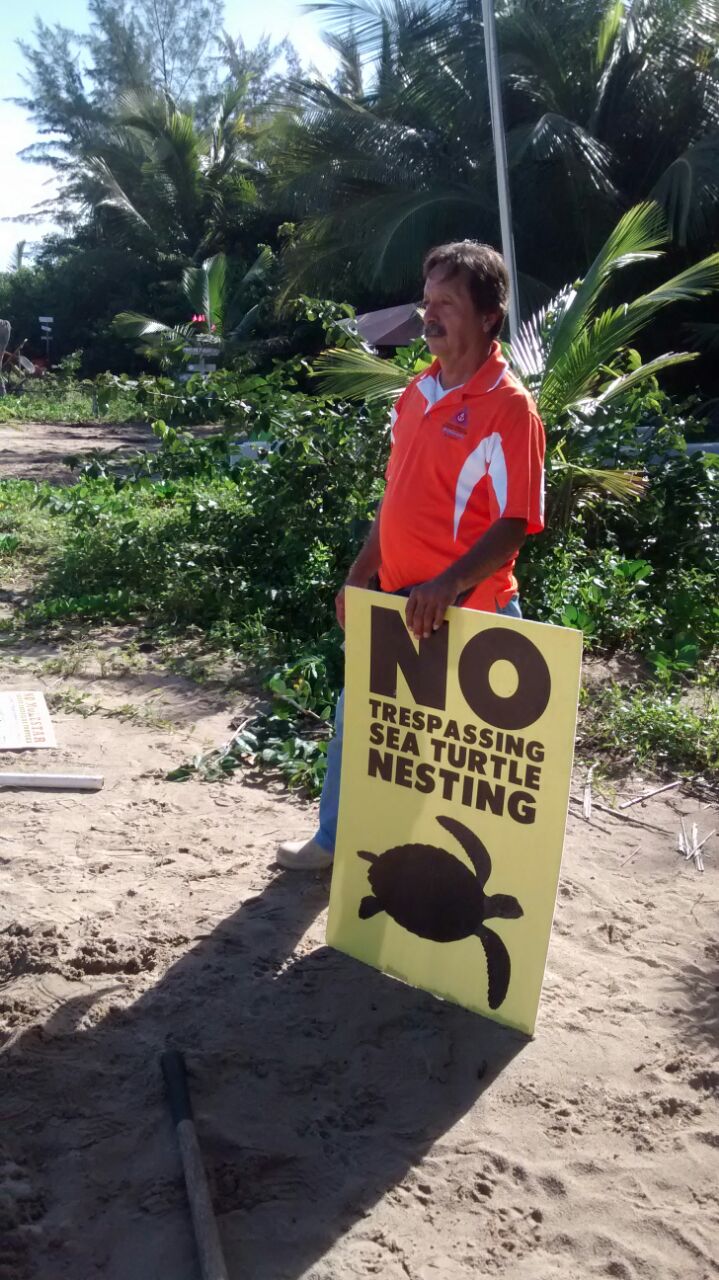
(484, 270)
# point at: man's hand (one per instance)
(428, 604)
(354, 580)
(364, 568)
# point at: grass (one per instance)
(652, 725)
(54, 403)
(73, 702)
(80, 656)
(160, 555)
(76, 702)
(29, 531)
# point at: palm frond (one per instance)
(530, 349)
(216, 273)
(619, 386)
(636, 238)
(412, 20)
(355, 374)
(260, 267)
(162, 342)
(115, 197)
(18, 256)
(626, 486)
(571, 378)
(609, 29)
(204, 288)
(705, 334)
(696, 282)
(688, 191)
(245, 325)
(555, 138)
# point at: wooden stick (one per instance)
(207, 1238)
(684, 845)
(626, 804)
(588, 794)
(54, 781)
(623, 817)
(633, 854)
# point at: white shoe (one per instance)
(308, 855)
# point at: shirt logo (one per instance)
(457, 428)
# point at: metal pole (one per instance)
(500, 152)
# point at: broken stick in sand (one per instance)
(626, 804)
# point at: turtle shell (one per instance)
(428, 891)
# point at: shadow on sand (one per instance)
(318, 1084)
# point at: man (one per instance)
(465, 481)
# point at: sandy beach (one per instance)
(351, 1126)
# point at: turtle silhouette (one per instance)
(430, 893)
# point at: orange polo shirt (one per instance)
(457, 465)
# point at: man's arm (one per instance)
(428, 604)
(364, 568)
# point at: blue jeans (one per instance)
(326, 834)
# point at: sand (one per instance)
(351, 1126)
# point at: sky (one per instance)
(22, 185)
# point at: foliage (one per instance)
(261, 519)
(59, 396)
(651, 725)
(83, 289)
(290, 739)
(28, 533)
(597, 590)
(605, 105)
(248, 545)
(152, 123)
(168, 186)
(173, 143)
(132, 45)
(219, 321)
(202, 533)
(575, 358)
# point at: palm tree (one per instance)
(218, 319)
(575, 357)
(171, 190)
(608, 102)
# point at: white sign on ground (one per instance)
(25, 721)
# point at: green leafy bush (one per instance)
(28, 532)
(651, 725)
(290, 739)
(60, 396)
(209, 535)
(598, 590)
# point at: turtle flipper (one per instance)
(499, 966)
(369, 907)
(367, 857)
(472, 846)
(502, 906)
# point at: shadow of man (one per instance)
(318, 1085)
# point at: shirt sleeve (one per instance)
(393, 416)
(523, 448)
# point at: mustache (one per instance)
(434, 330)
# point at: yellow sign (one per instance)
(456, 766)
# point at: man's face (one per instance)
(452, 323)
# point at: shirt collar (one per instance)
(486, 379)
